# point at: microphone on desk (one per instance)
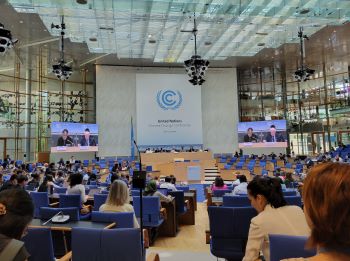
(58, 213)
(59, 217)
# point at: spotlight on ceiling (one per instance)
(195, 66)
(62, 71)
(6, 40)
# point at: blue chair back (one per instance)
(99, 199)
(108, 244)
(46, 213)
(38, 243)
(104, 192)
(151, 211)
(85, 163)
(67, 201)
(236, 201)
(40, 199)
(179, 201)
(183, 188)
(289, 193)
(60, 190)
(93, 184)
(294, 200)
(122, 219)
(289, 165)
(229, 228)
(284, 247)
(135, 192)
(220, 192)
(164, 191)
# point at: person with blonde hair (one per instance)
(118, 200)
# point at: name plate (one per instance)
(61, 148)
(84, 147)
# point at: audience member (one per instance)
(274, 217)
(242, 187)
(47, 185)
(16, 212)
(326, 198)
(76, 187)
(22, 181)
(35, 181)
(168, 185)
(118, 200)
(151, 190)
(218, 184)
(11, 183)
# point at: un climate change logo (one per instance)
(169, 99)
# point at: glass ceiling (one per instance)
(151, 29)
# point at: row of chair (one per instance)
(106, 244)
(229, 241)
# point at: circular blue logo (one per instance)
(169, 99)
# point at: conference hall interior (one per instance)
(174, 130)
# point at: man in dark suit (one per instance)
(87, 140)
(64, 140)
(273, 136)
(250, 136)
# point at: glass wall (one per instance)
(317, 110)
(31, 98)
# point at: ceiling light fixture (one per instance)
(6, 41)
(196, 66)
(61, 70)
(303, 73)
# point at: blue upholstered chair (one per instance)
(229, 229)
(60, 190)
(183, 188)
(164, 191)
(283, 247)
(289, 193)
(99, 199)
(179, 201)
(73, 212)
(40, 199)
(235, 201)
(151, 211)
(135, 193)
(294, 200)
(72, 201)
(85, 163)
(104, 192)
(122, 219)
(108, 244)
(289, 165)
(221, 192)
(38, 243)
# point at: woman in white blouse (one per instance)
(274, 217)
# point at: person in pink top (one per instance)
(218, 184)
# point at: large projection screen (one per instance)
(169, 112)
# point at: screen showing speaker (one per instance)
(262, 134)
(74, 137)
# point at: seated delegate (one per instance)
(326, 196)
(274, 217)
(16, 213)
(118, 200)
